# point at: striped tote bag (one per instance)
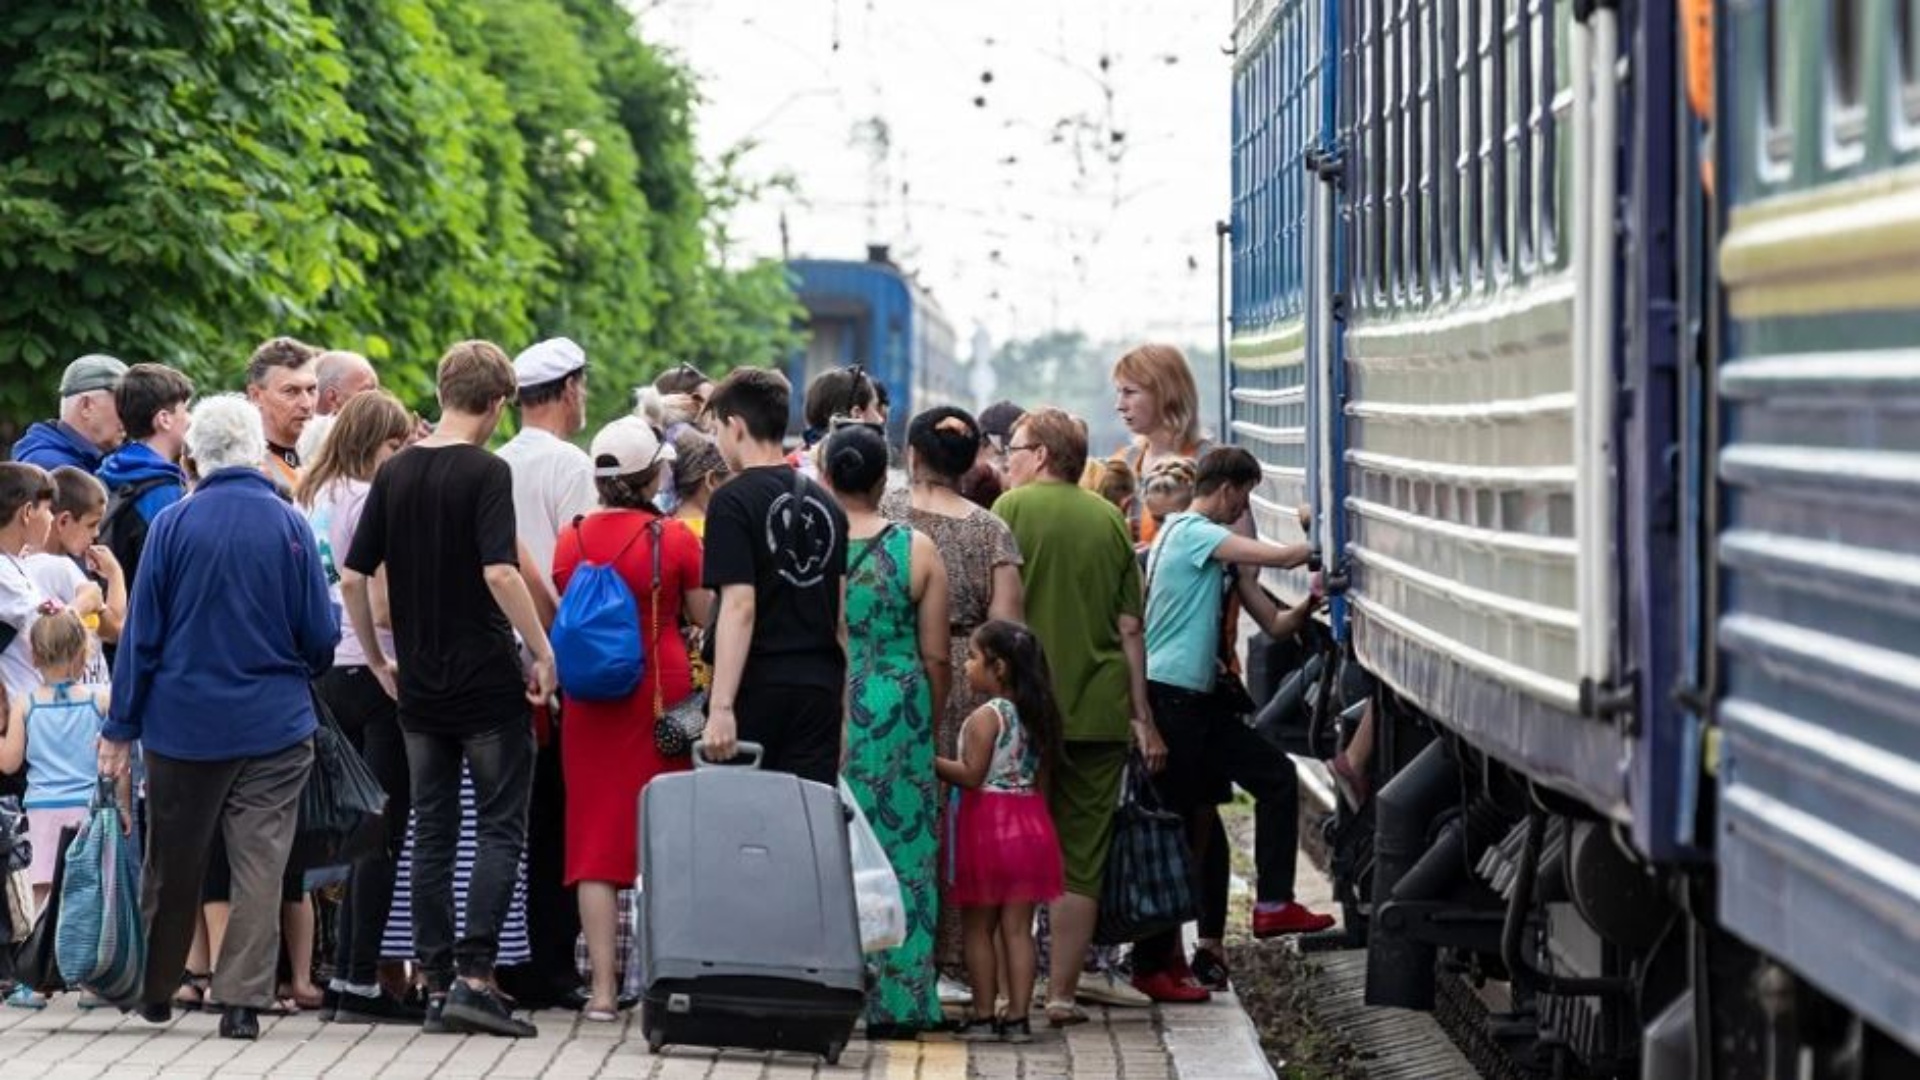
(101, 944)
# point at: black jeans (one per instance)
(1216, 872)
(369, 719)
(501, 760)
(1204, 744)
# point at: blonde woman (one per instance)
(1155, 395)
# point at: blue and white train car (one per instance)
(1612, 487)
(870, 312)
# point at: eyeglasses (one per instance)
(1014, 448)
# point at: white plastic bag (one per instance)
(876, 889)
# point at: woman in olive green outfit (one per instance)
(898, 673)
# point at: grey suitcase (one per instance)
(748, 929)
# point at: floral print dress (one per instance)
(890, 764)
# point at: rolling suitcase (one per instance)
(749, 931)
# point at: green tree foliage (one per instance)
(176, 181)
(452, 233)
(182, 178)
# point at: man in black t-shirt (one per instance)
(440, 520)
(776, 552)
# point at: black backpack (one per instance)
(123, 530)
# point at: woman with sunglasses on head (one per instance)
(683, 391)
(846, 395)
(609, 753)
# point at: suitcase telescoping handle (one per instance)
(752, 751)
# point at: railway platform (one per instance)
(1210, 1042)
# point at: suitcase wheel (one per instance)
(655, 1042)
(834, 1050)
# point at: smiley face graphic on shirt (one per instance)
(801, 538)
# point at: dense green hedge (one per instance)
(179, 180)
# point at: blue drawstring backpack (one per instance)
(599, 652)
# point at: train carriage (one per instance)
(874, 314)
(1613, 493)
(1819, 542)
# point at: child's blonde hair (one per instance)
(58, 640)
(1169, 487)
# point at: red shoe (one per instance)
(1168, 987)
(1288, 918)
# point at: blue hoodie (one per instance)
(51, 444)
(229, 620)
(137, 463)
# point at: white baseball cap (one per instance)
(628, 445)
(554, 358)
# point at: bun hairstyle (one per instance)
(855, 459)
(945, 441)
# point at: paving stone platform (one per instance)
(1208, 1042)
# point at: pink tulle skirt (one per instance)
(1001, 850)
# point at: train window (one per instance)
(1392, 71)
(1777, 126)
(1473, 196)
(1433, 167)
(1843, 51)
(1419, 38)
(1493, 146)
(1845, 77)
(1520, 116)
(1546, 131)
(1374, 73)
(1446, 142)
(1907, 45)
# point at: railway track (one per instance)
(1454, 1042)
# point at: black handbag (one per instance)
(343, 807)
(35, 963)
(1147, 887)
(676, 729)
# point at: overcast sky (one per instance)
(1022, 212)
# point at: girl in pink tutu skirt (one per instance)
(1003, 858)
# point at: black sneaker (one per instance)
(432, 1022)
(481, 1012)
(1210, 970)
(382, 1008)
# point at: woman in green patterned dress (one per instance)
(898, 673)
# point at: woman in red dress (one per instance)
(608, 754)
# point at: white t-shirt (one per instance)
(552, 485)
(60, 578)
(20, 601)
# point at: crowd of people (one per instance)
(981, 644)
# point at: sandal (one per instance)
(1062, 1014)
(976, 1028)
(594, 1015)
(197, 983)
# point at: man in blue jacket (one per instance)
(88, 425)
(142, 477)
(229, 622)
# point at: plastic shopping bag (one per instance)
(883, 915)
